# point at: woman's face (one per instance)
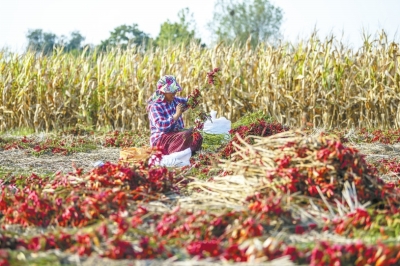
(169, 97)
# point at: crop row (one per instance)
(330, 84)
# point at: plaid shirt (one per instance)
(161, 121)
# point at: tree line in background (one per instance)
(233, 21)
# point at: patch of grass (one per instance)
(18, 132)
(212, 142)
(7, 173)
(250, 118)
(198, 174)
(125, 138)
(22, 258)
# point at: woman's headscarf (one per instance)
(166, 84)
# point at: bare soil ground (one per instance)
(20, 161)
(17, 161)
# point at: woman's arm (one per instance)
(161, 119)
(181, 100)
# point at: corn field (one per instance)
(334, 86)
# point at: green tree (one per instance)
(46, 42)
(235, 20)
(75, 42)
(41, 41)
(181, 32)
(125, 36)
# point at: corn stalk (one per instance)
(330, 84)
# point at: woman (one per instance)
(166, 123)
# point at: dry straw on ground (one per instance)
(250, 165)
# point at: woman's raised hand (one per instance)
(181, 108)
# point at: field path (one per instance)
(17, 161)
